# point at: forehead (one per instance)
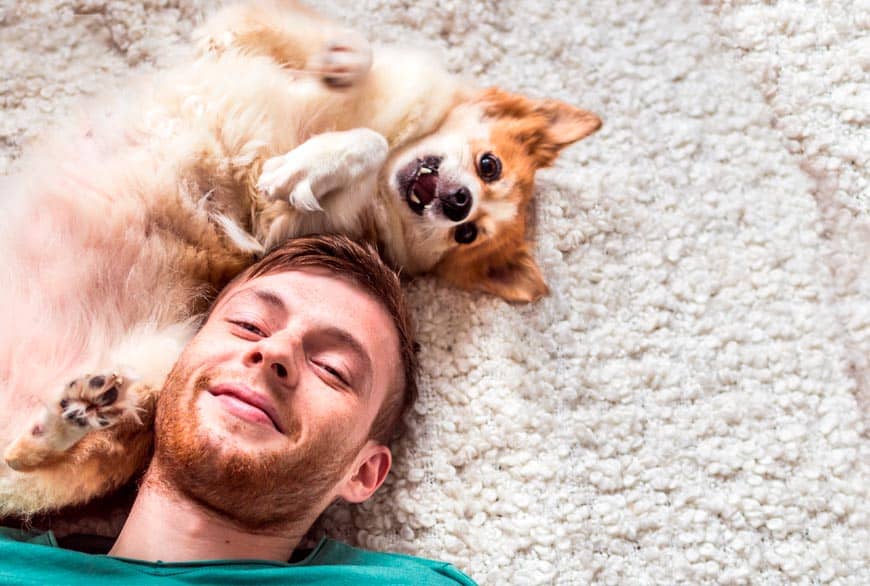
(469, 121)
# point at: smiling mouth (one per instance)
(247, 405)
(420, 185)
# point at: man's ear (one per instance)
(370, 470)
(566, 125)
(518, 280)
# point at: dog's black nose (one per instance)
(456, 205)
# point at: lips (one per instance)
(248, 404)
(420, 184)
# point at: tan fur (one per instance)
(126, 226)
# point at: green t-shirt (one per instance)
(36, 559)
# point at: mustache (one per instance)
(202, 383)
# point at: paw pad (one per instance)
(90, 401)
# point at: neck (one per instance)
(166, 526)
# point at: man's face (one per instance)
(270, 405)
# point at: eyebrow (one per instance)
(270, 298)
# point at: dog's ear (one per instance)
(543, 127)
(565, 125)
(519, 279)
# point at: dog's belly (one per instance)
(89, 255)
(69, 293)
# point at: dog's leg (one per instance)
(286, 32)
(293, 35)
(324, 164)
(90, 402)
(101, 401)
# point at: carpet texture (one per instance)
(690, 404)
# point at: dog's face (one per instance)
(465, 190)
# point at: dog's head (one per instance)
(464, 190)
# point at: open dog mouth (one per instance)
(419, 183)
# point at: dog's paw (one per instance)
(214, 44)
(290, 176)
(87, 403)
(323, 164)
(344, 60)
(96, 401)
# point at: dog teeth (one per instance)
(414, 198)
(425, 170)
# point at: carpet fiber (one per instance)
(690, 404)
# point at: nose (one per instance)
(457, 204)
(279, 364)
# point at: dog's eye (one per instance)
(465, 233)
(489, 167)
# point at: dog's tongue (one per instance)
(425, 187)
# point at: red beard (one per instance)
(259, 491)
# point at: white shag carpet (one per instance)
(690, 405)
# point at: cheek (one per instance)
(500, 210)
(210, 344)
(322, 407)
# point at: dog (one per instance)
(121, 229)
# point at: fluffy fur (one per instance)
(123, 228)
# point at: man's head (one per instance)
(287, 397)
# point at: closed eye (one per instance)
(333, 372)
(249, 327)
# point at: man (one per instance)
(283, 402)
